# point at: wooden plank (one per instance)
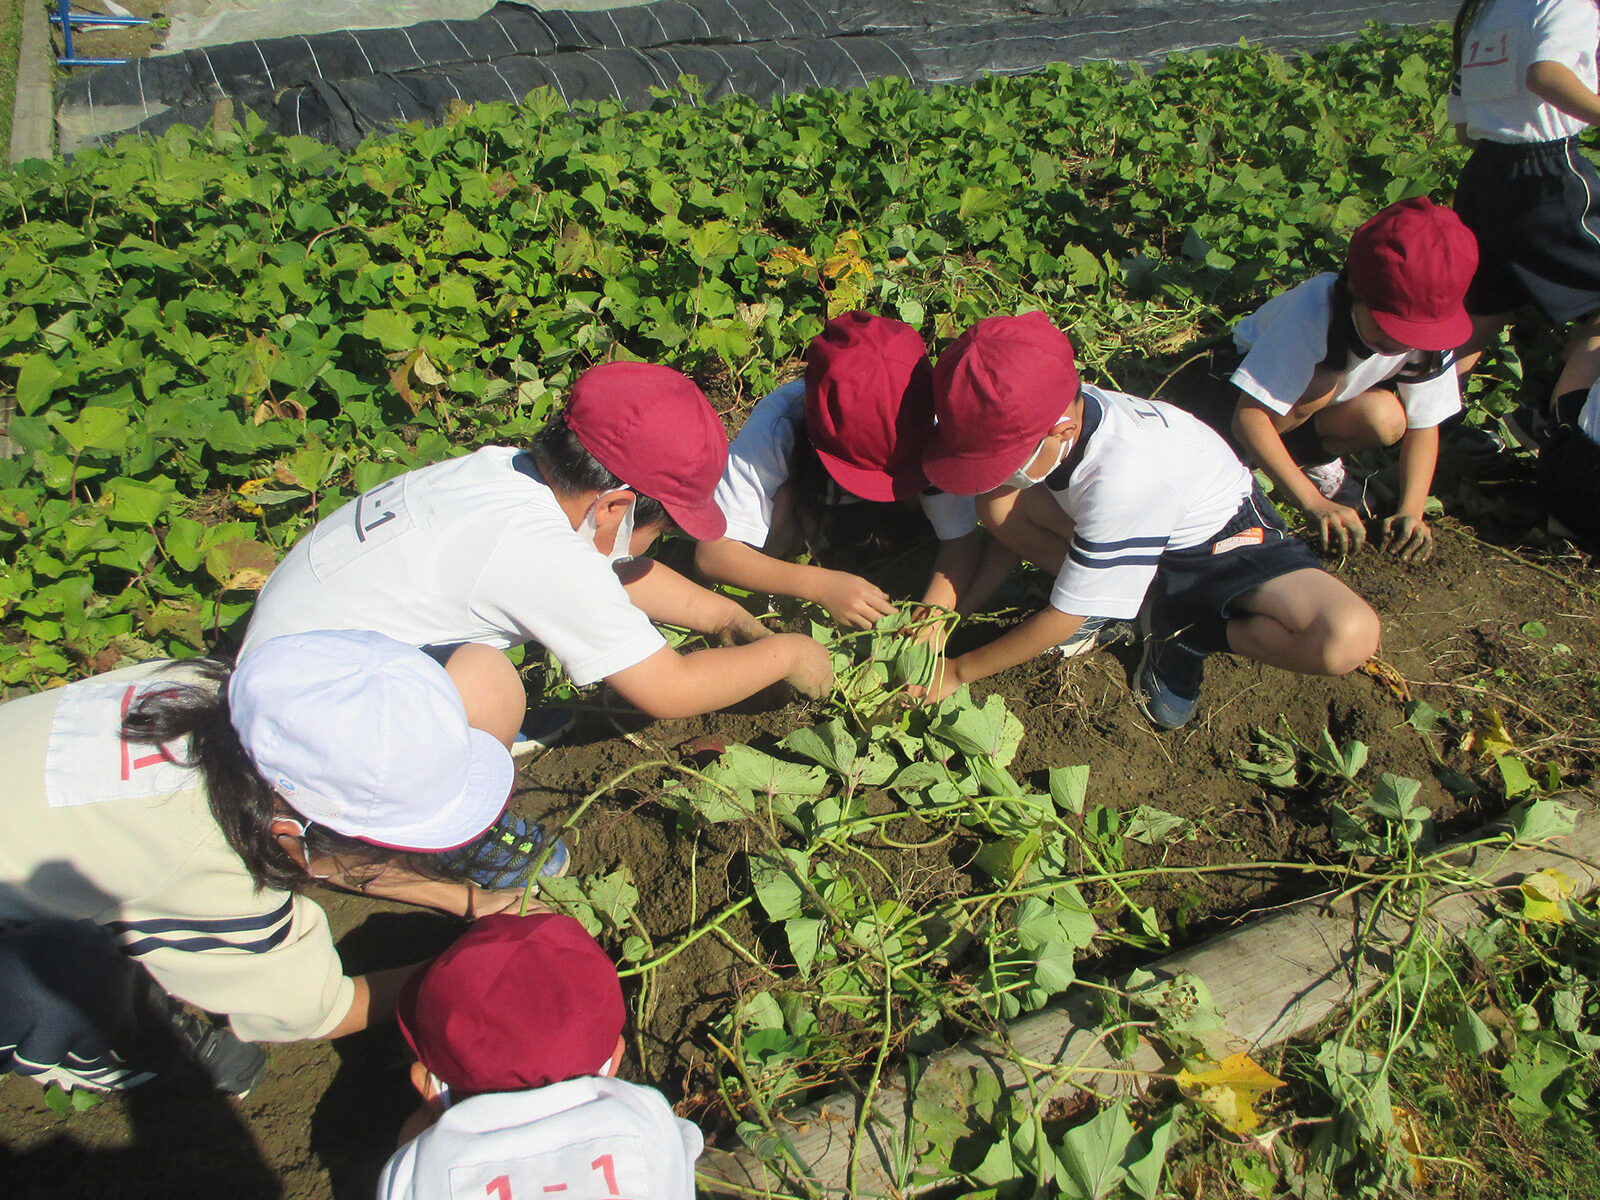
(32, 113)
(1271, 979)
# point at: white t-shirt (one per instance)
(759, 461)
(1490, 92)
(117, 833)
(1285, 339)
(584, 1139)
(467, 550)
(1143, 477)
(1589, 414)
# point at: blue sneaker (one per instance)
(504, 856)
(1095, 631)
(541, 729)
(1167, 684)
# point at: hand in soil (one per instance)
(1341, 527)
(1408, 538)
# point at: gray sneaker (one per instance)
(1095, 631)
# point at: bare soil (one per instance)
(1457, 634)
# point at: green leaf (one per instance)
(1146, 1158)
(1514, 774)
(990, 731)
(1155, 826)
(1541, 820)
(395, 331)
(96, 428)
(1471, 1036)
(36, 381)
(1091, 1154)
(1068, 788)
(830, 744)
(774, 884)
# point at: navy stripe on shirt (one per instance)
(260, 946)
(204, 924)
(1123, 544)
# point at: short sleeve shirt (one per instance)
(1143, 477)
(1287, 337)
(469, 550)
(760, 460)
(585, 1138)
(1490, 95)
(121, 834)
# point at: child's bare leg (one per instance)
(1582, 367)
(490, 688)
(1030, 523)
(1307, 622)
(1364, 422)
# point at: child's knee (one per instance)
(1390, 423)
(1351, 638)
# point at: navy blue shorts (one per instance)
(1569, 480)
(72, 1010)
(1535, 210)
(1194, 591)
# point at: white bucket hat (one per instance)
(369, 738)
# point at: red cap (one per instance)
(869, 404)
(998, 389)
(514, 1003)
(654, 430)
(1411, 265)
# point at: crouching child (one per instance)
(1141, 510)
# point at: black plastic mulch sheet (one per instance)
(342, 112)
(339, 87)
(954, 44)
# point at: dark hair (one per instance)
(242, 803)
(1466, 16)
(813, 489)
(568, 467)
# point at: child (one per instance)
(1354, 361)
(469, 557)
(517, 1029)
(852, 429)
(1524, 89)
(1569, 468)
(162, 823)
(1140, 509)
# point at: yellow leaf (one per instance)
(1410, 1140)
(786, 260)
(1229, 1090)
(1544, 895)
(1488, 736)
(425, 371)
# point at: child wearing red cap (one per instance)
(1523, 92)
(478, 554)
(1140, 509)
(852, 429)
(517, 1029)
(1354, 361)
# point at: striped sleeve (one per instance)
(1116, 546)
(275, 974)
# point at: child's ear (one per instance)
(427, 1087)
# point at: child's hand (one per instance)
(852, 600)
(1408, 538)
(813, 670)
(741, 629)
(1342, 528)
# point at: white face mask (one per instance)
(621, 548)
(1020, 477)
